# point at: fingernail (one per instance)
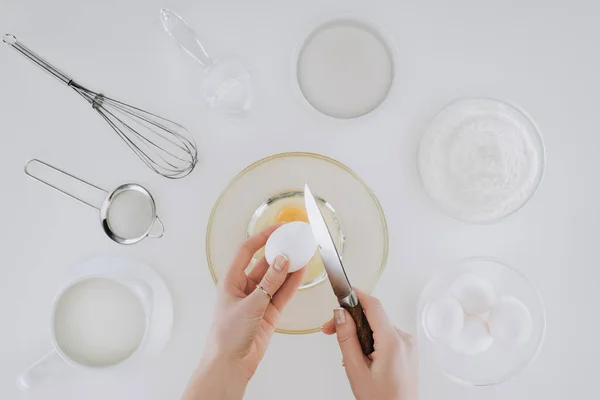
(280, 262)
(339, 315)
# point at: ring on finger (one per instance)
(262, 289)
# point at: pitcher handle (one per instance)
(49, 365)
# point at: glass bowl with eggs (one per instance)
(270, 191)
(480, 322)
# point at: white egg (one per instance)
(474, 294)
(443, 319)
(294, 240)
(510, 321)
(474, 338)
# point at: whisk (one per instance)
(163, 145)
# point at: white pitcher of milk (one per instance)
(105, 315)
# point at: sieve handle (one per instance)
(162, 229)
(35, 161)
(51, 364)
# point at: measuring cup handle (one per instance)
(185, 36)
(51, 364)
(162, 229)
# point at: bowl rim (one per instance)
(534, 133)
(309, 155)
(374, 29)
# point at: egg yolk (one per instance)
(292, 214)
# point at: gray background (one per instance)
(539, 55)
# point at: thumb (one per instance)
(275, 276)
(353, 358)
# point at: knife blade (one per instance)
(335, 271)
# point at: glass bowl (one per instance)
(269, 210)
(461, 154)
(362, 50)
(352, 211)
(500, 362)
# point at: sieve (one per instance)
(111, 223)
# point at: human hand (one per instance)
(244, 321)
(246, 316)
(390, 372)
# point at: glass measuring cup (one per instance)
(226, 84)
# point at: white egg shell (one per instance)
(443, 319)
(510, 321)
(474, 338)
(474, 294)
(294, 240)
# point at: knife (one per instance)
(335, 271)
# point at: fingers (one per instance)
(409, 345)
(375, 313)
(282, 297)
(249, 247)
(285, 292)
(373, 310)
(256, 274)
(270, 283)
(355, 362)
(236, 278)
(328, 327)
(383, 330)
(407, 337)
(288, 289)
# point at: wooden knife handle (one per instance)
(363, 329)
